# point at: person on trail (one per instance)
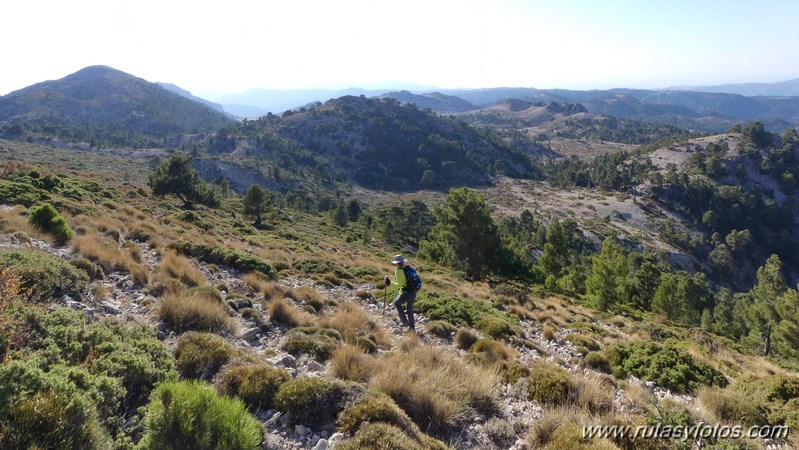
(406, 295)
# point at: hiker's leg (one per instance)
(411, 296)
(398, 304)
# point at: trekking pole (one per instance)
(385, 300)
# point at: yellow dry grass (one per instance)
(352, 321)
(103, 251)
(180, 268)
(350, 362)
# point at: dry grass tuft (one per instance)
(272, 290)
(349, 362)
(180, 268)
(521, 312)
(641, 399)
(352, 321)
(101, 291)
(15, 221)
(255, 281)
(548, 332)
(195, 313)
(104, 252)
(436, 388)
(595, 393)
(281, 310)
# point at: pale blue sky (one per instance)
(236, 44)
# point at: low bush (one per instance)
(237, 259)
(366, 344)
(201, 355)
(487, 351)
(313, 343)
(21, 193)
(320, 266)
(441, 328)
(94, 271)
(458, 311)
(48, 219)
(208, 292)
(500, 431)
(184, 312)
(350, 363)
(194, 219)
(190, 414)
(597, 361)
(256, 385)
(380, 436)
(669, 365)
(465, 338)
(316, 401)
(372, 409)
(730, 406)
(581, 341)
(549, 384)
(773, 399)
(44, 276)
(52, 419)
(496, 327)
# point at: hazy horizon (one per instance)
(212, 50)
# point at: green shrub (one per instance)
(496, 327)
(581, 341)
(375, 408)
(549, 384)
(21, 193)
(513, 371)
(773, 397)
(194, 219)
(380, 436)
(48, 219)
(94, 271)
(190, 414)
(44, 276)
(52, 419)
(597, 361)
(456, 310)
(256, 385)
(668, 365)
(310, 341)
(487, 351)
(465, 338)
(315, 401)
(441, 328)
(237, 259)
(201, 355)
(366, 344)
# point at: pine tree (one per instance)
(256, 202)
(763, 315)
(465, 235)
(556, 250)
(176, 176)
(607, 285)
(786, 332)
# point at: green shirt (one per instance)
(399, 274)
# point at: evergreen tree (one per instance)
(256, 202)
(354, 210)
(607, 284)
(465, 236)
(728, 320)
(763, 315)
(176, 176)
(786, 332)
(682, 297)
(556, 250)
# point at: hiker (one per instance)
(406, 295)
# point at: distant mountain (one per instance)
(186, 94)
(788, 88)
(103, 104)
(375, 143)
(434, 100)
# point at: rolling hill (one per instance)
(104, 104)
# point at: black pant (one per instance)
(405, 316)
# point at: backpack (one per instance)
(413, 282)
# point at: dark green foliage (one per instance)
(774, 398)
(441, 328)
(201, 355)
(380, 436)
(314, 343)
(682, 297)
(405, 223)
(190, 414)
(21, 193)
(52, 419)
(607, 285)
(195, 219)
(465, 236)
(256, 203)
(237, 259)
(207, 291)
(103, 368)
(49, 220)
(255, 385)
(315, 401)
(457, 311)
(320, 266)
(488, 351)
(514, 371)
(550, 385)
(366, 344)
(669, 365)
(176, 176)
(44, 276)
(597, 361)
(612, 171)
